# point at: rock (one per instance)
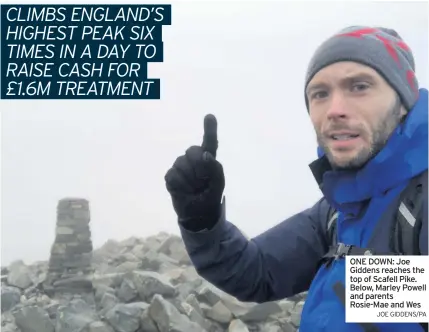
(139, 251)
(261, 312)
(126, 317)
(165, 245)
(189, 274)
(154, 241)
(237, 326)
(128, 266)
(286, 305)
(126, 257)
(131, 242)
(298, 297)
(31, 291)
(75, 316)
(296, 314)
(33, 319)
(112, 280)
(207, 295)
(147, 324)
(196, 316)
(188, 288)
(43, 300)
(108, 301)
(52, 309)
(7, 318)
(192, 301)
(153, 261)
(99, 327)
(219, 313)
(168, 319)
(174, 248)
(174, 275)
(179, 253)
(19, 275)
(100, 290)
(10, 328)
(237, 308)
(127, 291)
(149, 283)
(10, 297)
(273, 327)
(109, 249)
(76, 284)
(286, 326)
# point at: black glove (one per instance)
(196, 182)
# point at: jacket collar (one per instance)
(404, 156)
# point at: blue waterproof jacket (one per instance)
(284, 260)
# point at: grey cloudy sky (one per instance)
(243, 62)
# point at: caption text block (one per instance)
(81, 51)
(387, 289)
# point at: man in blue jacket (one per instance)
(371, 121)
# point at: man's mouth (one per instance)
(343, 137)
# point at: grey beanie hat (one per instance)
(379, 48)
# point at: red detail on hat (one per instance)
(411, 81)
(359, 33)
(403, 45)
(388, 44)
(390, 49)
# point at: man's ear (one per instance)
(403, 109)
(403, 114)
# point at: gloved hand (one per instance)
(196, 182)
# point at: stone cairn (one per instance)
(71, 254)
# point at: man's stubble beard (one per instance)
(380, 134)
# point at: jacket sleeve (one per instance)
(276, 264)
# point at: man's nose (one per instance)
(337, 107)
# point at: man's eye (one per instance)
(319, 95)
(360, 87)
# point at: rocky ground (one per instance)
(138, 285)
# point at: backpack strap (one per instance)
(405, 232)
(332, 226)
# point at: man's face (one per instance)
(354, 111)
